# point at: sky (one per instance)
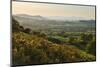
(45, 9)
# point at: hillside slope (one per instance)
(36, 49)
(31, 49)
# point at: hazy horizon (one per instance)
(53, 10)
(65, 18)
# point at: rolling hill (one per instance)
(47, 24)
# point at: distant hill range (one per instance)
(56, 23)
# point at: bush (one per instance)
(31, 49)
(91, 47)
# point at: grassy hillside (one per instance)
(31, 47)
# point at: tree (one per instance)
(86, 37)
(21, 28)
(71, 40)
(90, 36)
(91, 47)
(27, 30)
(15, 25)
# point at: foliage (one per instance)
(35, 47)
(91, 47)
(31, 49)
(27, 30)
